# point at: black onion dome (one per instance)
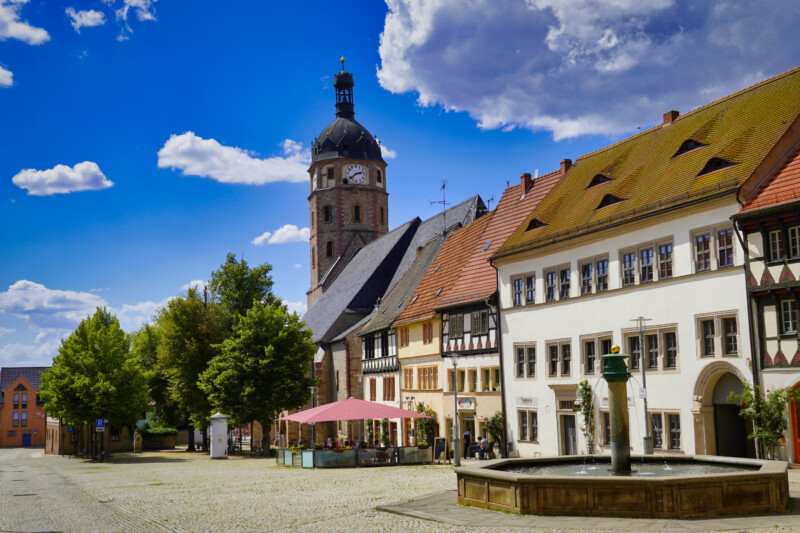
(345, 138)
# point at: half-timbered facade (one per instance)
(770, 225)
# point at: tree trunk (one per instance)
(205, 440)
(191, 447)
(265, 429)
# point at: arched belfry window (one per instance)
(714, 164)
(379, 178)
(356, 213)
(329, 249)
(687, 146)
(609, 199)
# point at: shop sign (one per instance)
(466, 403)
(527, 401)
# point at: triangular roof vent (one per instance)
(687, 146)
(714, 164)
(598, 179)
(535, 224)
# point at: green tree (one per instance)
(236, 285)
(94, 375)
(767, 415)
(586, 409)
(263, 368)
(426, 427)
(191, 328)
(385, 432)
(496, 426)
(144, 346)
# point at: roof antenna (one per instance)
(444, 203)
(489, 203)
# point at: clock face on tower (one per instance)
(356, 174)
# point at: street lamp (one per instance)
(313, 390)
(456, 449)
(410, 407)
(647, 441)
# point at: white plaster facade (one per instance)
(675, 305)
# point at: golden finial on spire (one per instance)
(342, 60)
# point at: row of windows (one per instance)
(777, 250)
(479, 324)
(641, 264)
(468, 379)
(427, 378)
(20, 404)
(663, 438)
(18, 417)
(427, 334)
(717, 335)
(327, 215)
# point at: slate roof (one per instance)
(645, 172)
(403, 291)
(478, 279)
(783, 187)
(376, 268)
(32, 374)
(443, 272)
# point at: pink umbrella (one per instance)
(350, 409)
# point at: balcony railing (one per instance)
(380, 364)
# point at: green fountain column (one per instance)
(616, 374)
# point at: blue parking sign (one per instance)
(100, 424)
(70, 429)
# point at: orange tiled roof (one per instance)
(645, 172)
(443, 272)
(782, 188)
(477, 280)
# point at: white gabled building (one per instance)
(642, 228)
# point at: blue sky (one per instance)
(141, 141)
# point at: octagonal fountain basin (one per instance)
(657, 487)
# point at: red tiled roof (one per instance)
(477, 279)
(444, 271)
(782, 188)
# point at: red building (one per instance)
(22, 417)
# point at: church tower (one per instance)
(348, 204)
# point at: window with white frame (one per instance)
(528, 425)
(530, 361)
(718, 334)
(725, 247)
(589, 356)
(660, 347)
(520, 362)
(606, 436)
(530, 289)
(674, 421)
(657, 430)
(480, 322)
(587, 278)
(602, 274)
(665, 260)
(563, 283)
(525, 362)
(789, 316)
(550, 286)
(645, 265)
(776, 245)
(516, 291)
(456, 326)
(794, 242)
(559, 358)
(713, 248)
(628, 268)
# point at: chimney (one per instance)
(525, 181)
(670, 116)
(565, 164)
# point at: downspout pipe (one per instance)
(755, 357)
(503, 390)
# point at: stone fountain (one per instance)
(658, 486)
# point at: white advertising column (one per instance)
(219, 436)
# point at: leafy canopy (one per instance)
(263, 368)
(237, 286)
(94, 375)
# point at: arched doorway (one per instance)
(795, 409)
(730, 429)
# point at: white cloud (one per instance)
(46, 309)
(143, 8)
(85, 19)
(208, 158)
(296, 307)
(62, 179)
(388, 153)
(298, 265)
(197, 284)
(6, 331)
(6, 78)
(577, 67)
(16, 354)
(133, 316)
(11, 27)
(284, 234)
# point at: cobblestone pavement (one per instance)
(188, 492)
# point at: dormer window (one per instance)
(714, 164)
(535, 224)
(687, 146)
(598, 179)
(609, 199)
